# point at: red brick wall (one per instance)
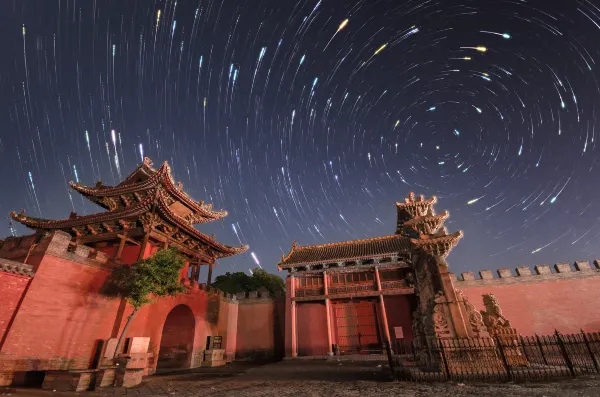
(399, 309)
(565, 305)
(260, 329)
(312, 329)
(60, 319)
(12, 287)
(63, 315)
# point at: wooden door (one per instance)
(356, 324)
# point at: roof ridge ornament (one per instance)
(147, 162)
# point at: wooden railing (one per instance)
(348, 288)
(312, 291)
(393, 284)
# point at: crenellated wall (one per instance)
(564, 298)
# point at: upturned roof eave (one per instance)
(161, 176)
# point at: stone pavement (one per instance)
(318, 378)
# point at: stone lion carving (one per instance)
(492, 315)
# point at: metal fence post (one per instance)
(444, 361)
(503, 356)
(589, 349)
(539, 342)
(563, 349)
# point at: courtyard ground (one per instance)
(319, 378)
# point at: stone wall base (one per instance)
(68, 380)
(128, 377)
(214, 358)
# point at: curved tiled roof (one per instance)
(346, 250)
(222, 250)
(225, 250)
(47, 224)
(204, 212)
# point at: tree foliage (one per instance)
(233, 283)
(154, 277)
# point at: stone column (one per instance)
(294, 330)
(386, 328)
(327, 313)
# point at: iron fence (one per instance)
(498, 358)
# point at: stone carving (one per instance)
(475, 318)
(492, 315)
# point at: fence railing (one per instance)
(499, 358)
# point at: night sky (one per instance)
(307, 120)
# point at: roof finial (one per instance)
(147, 162)
(294, 245)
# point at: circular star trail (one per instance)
(308, 120)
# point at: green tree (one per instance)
(271, 282)
(233, 283)
(139, 284)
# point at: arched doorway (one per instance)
(177, 339)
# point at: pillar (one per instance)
(143, 246)
(209, 278)
(386, 328)
(327, 313)
(294, 329)
(121, 246)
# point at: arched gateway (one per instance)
(177, 340)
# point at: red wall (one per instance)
(260, 328)
(130, 252)
(63, 315)
(399, 309)
(565, 305)
(12, 287)
(312, 329)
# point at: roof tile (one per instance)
(346, 250)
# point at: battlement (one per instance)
(542, 273)
(32, 248)
(258, 296)
(16, 268)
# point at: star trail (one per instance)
(307, 120)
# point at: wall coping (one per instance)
(18, 268)
(56, 243)
(542, 273)
(259, 297)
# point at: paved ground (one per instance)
(312, 379)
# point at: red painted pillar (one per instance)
(294, 329)
(386, 328)
(327, 313)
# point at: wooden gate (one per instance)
(357, 329)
